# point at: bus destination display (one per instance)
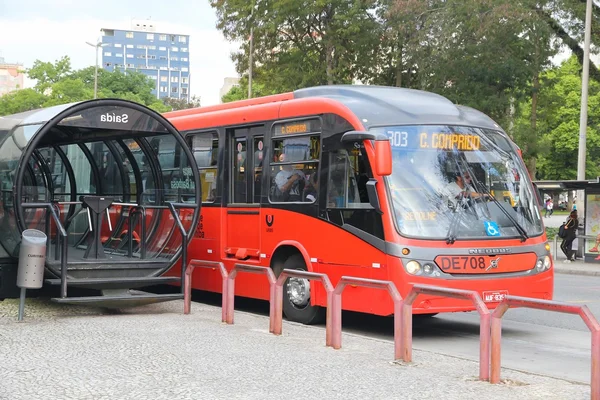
(410, 138)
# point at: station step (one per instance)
(119, 301)
(115, 283)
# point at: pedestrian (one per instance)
(570, 234)
(549, 208)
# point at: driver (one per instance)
(462, 188)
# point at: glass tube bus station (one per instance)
(114, 187)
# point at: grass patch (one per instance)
(551, 232)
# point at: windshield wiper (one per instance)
(451, 235)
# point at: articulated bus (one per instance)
(374, 182)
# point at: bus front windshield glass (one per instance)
(452, 182)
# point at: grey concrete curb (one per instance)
(577, 271)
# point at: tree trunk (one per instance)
(533, 140)
(329, 62)
(399, 67)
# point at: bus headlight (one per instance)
(539, 265)
(547, 262)
(413, 267)
(543, 264)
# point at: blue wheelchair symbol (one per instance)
(491, 228)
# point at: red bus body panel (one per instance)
(247, 238)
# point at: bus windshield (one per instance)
(453, 182)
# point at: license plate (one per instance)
(495, 296)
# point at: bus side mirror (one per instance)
(383, 157)
(383, 149)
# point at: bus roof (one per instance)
(372, 105)
(384, 105)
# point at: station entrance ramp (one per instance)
(114, 187)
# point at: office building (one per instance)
(228, 83)
(164, 57)
(11, 76)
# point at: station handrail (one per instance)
(253, 269)
(336, 308)
(187, 297)
(63, 233)
(484, 328)
(583, 311)
(294, 273)
(173, 207)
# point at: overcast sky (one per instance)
(49, 29)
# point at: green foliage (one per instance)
(21, 101)
(560, 103)
(300, 43)
(240, 91)
(181, 104)
(57, 83)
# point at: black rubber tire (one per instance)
(308, 315)
(424, 316)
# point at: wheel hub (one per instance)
(298, 291)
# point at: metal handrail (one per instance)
(184, 236)
(473, 296)
(336, 309)
(187, 297)
(293, 273)
(253, 269)
(516, 301)
(63, 233)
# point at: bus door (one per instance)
(242, 236)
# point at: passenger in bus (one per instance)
(289, 182)
(312, 189)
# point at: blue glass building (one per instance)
(164, 57)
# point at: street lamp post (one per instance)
(97, 46)
(583, 115)
(250, 62)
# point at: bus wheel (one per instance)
(296, 295)
(425, 315)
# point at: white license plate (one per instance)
(494, 296)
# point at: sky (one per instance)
(49, 29)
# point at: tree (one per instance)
(46, 74)
(21, 101)
(57, 84)
(559, 106)
(300, 43)
(181, 104)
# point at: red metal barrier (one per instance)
(336, 308)
(294, 273)
(253, 269)
(187, 294)
(484, 328)
(582, 311)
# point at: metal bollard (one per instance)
(32, 258)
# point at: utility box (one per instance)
(32, 259)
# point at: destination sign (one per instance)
(297, 127)
(426, 138)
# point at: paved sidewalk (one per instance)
(156, 352)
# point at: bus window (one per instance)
(347, 196)
(294, 169)
(205, 147)
(239, 170)
(258, 146)
(347, 180)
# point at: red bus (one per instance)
(375, 182)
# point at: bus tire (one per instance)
(296, 295)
